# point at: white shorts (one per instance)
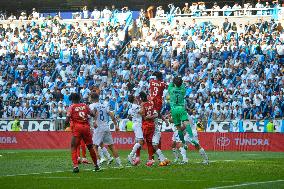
(138, 131)
(156, 137)
(102, 136)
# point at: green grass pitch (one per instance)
(51, 169)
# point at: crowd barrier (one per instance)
(210, 126)
(125, 140)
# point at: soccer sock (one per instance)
(150, 150)
(189, 130)
(118, 161)
(175, 153)
(101, 154)
(83, 147)
(74, 150)
(74, 158)
(105, 152)
(203, 154)
(134, 149)
(138, 152)
(181, 136)
(160, 155)
(183, 153)
(78, 151)
(93, 155)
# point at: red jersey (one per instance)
(149, 110)
(79, 113)
(156, 89)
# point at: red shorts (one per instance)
(158, 104)
(148, 129)
(83, 132)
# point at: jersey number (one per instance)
(177, 99)
(82, 115)
(155, 92)
(102, 118)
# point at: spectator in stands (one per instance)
(85, 12)
(35, 14)
(12, 17)
(186, 9)
(215, 7)
(96, 14)
(259, 5)
(247, 6)
(160, 11)
(226, 25)
(23, 16)
(227, 10)
(194, 9)
(236, 8)
(202, 8)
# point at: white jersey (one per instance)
(134, 113)
(103, 114)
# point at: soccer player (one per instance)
(179, 114)
(77, 116)
(83, 147)
(148, 127)
(157, 87)
(135, 115)
(104, 154)
(102, 134)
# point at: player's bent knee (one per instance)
(89, 146)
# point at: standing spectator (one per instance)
(215, 7)
(259, 5)
(85, 12)
(236, 8)
(96, 14)
(186, 9)
(226, 25)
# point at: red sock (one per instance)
(138, 152)
(93, 156)
(150, 150)
(83, 147)
(74, 152)
(78, 151)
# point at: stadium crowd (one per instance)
(231, 72)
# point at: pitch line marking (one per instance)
(50, 172)
(247, 184)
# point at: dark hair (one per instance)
(95, 96)
(143, 96)
(131, 99)
(158, 75)
(74, 97)
(177, 81)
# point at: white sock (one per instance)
(175, 153)
(101, 154)
(118, 161)
(160, 155)
(105, 152)
(183, 153)
(203, 154)
(134, 149)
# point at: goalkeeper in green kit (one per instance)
(177, 91)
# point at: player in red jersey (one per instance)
(148, 127)
(82, 147)
(157, 87)
(78, 118)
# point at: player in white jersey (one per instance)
(192, 138)
(134, 113)
(102, 134)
